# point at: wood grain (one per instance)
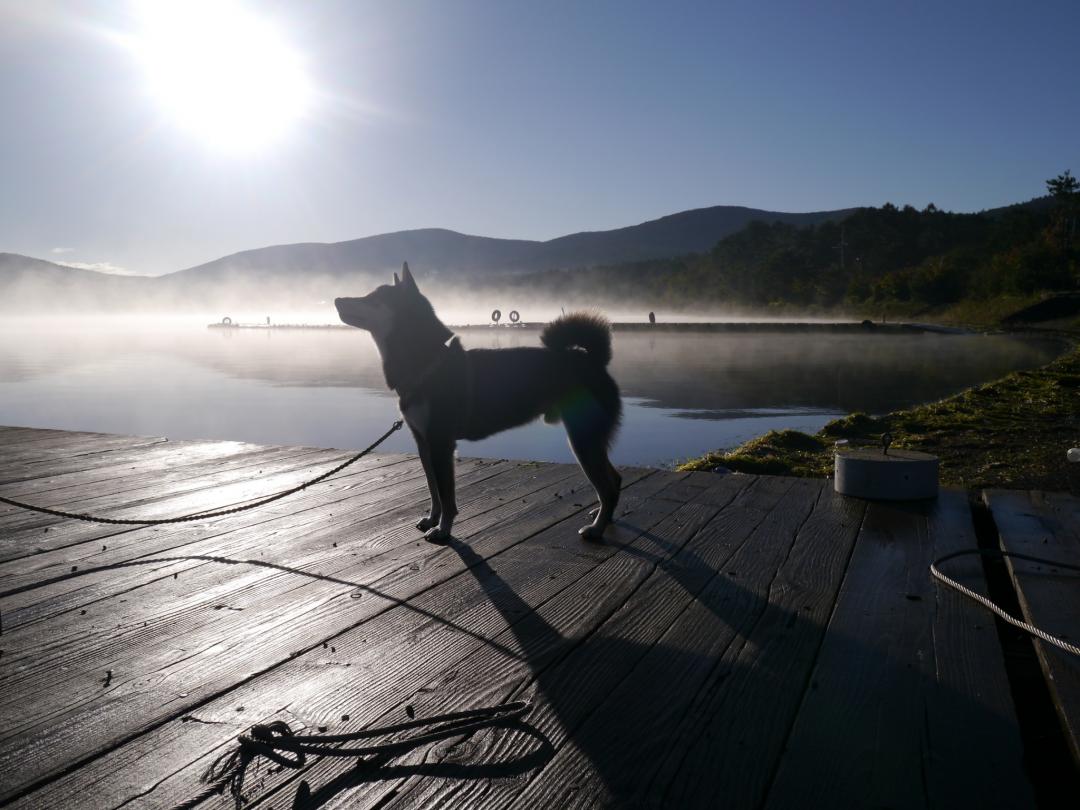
(214, 628)
(1048, 526)
(892, 718)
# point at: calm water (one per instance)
(684, 393)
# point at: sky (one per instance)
(514, 119)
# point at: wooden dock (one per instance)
(736, 641)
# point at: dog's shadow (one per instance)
(613, 726)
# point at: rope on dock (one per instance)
(276, 740)
(206, 515)
(982, 600)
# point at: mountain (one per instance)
(304, 273)
(444, 252)
(35, 284)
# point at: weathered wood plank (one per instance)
(38, 587)
(222, 647)
(225, 647)
(222, 570)
(666, 666)
(124, 466)
(537, 635)
(15, 435)
(569, 665)
(376, 667)
(145, 494)
(188, 491)
(115, 462)
(633, 726)
(231, 487)
(971, 762)
(732, 735)
(864, 735)
(47, 449)
(1048, 526)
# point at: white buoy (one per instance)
(884, 474)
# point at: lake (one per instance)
(684, 392)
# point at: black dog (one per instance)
(447, 393)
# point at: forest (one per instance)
(878, 255)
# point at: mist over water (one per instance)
(301, 298)
(684, 392)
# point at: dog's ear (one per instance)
(397, 281)
(407, 279)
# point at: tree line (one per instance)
(874, 256)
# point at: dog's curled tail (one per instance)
(585, 330)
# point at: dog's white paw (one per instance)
(591, 532)
(426, 523)
(436, 535)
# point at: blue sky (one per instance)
(531, 120)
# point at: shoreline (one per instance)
(1012, 432)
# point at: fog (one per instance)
(138, 356)
(146, 302)
(685, 392)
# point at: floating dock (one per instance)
(736, 640)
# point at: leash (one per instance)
(982, 600)
(276, 742)
(205, 515)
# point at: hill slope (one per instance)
(35, 284)
(451, 253)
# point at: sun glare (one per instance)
(221, 72)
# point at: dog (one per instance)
(448, 393)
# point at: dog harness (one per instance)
(425, 385)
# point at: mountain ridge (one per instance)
(444, 251)
(311, 271)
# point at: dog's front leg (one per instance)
(432, 519)
(442, 464)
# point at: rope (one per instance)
(982, 600)
(206, 515)
(275, 741)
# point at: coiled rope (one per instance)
(276, 742)
(205, 515)
(982, 600)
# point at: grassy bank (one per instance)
(1012, 433)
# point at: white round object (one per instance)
(1073, 454)
(899, 475)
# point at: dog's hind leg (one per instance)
(432, 519)
(616, 480)
(442, 467)
(592, 456)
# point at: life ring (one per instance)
(496, 315)
(514, 317)
(226, 321)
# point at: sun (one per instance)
(221, 72)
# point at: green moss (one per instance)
(778, 452)
(855, 424)
(1012, 433)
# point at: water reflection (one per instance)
(685, 392)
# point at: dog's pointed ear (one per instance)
(397, 281)
(407, 279)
